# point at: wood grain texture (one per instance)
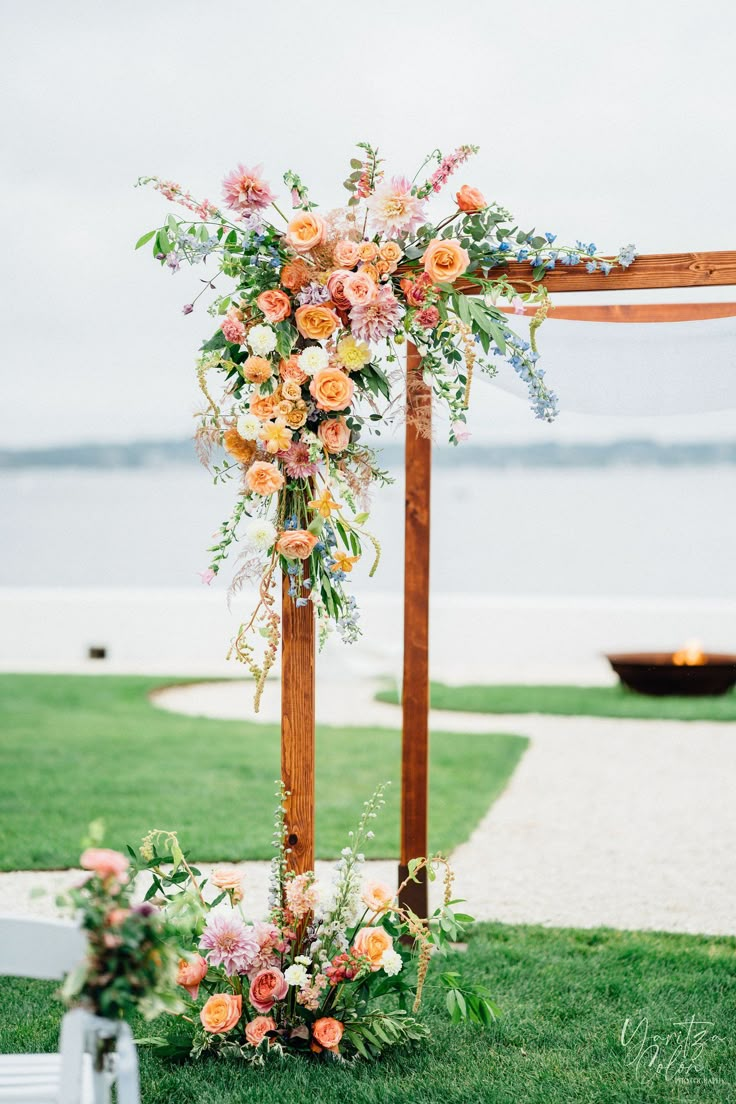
(297, 728)
(415, 696)
(635, 312)
(651, 270)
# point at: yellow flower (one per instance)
(276, 435)
(353, 354)
(325, 504)
(343, 562)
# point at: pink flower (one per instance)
(105, 863)
(428, 318)
(358, 288)
(462, 433)
(269, 939)
(191, 973)
(245, 190)
(302, 895)
(267, 987)
(518, 305)
(207, 575)
(394, 210)
(378, 319)
(231, 944)
(232, 327)
(296, 461)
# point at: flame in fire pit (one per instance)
(692, 655)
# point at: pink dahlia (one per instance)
(245, 190)
(394, 210)
(378, 319)
(296, 461)
(230, 942)
(269, 938)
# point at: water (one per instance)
(654, 532)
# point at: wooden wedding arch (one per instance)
(654, 271)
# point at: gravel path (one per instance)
(629, 824)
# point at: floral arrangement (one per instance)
(330, 973)
(306, 346)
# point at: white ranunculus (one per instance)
(391, 962)
(248, 426)
(313, 359)
(262, 340)
(261, 534)
(296, 975)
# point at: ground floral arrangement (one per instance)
(310, 327)
(333, 972)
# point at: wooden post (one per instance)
(415, 694)
(297, 728)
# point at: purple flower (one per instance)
(313, 294)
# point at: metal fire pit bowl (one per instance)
(654, 673)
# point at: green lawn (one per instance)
(565, 995)
(75, 748)
(571, 701)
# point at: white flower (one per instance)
(313, 359)
(262, 340)
(248, 426)
(261, 533)
(303, 960)
(391, 962)
(296, 975)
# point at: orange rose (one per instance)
(295, 275)
(368, 251)
(377, 896)
(371, 271)
(263, 478)
(290, 370)
(359, 288)
(257, 1028)
(264, 406)
(334, 434)
(331, 389)
(327, 1032)
(316, 323)
(296, 544)
(470, 199)
(221, 1013)
(190, 973)
(305, 231)
(257, 369)
(390, 252)
(298, 414)
(346, 254)
(275, 305)
(445, 260)
(382, 267)
(373, 943)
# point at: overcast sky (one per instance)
(608, 122)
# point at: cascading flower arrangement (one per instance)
(332, 973)
(308, 335)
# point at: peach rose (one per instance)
(470, 199)
(334, 434)
(263, 478)
(221, 1013)
(275, 305)
(346, 254)
(257, 1028)
(298, 415)
(290, 370)
(267, 987)
(359, 288)
(367, 251)
(226, 877)
(331, 389)
(382, 267)
(264, 406)
(305, 231)
(390, 252)
(291, 390)
(105, 863)
(117, 916)
(295, 275)
(316, 323)
(327, 1032)
(445, 260)
(295, 544)
(373, 943)
(377, 896)
(336, 287)
(371, 271)
(190, 973)
(257, 369)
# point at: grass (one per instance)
(75, 748)
(565, 995)
(573, 701)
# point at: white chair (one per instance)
(48, 949)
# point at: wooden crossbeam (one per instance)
(634, 312)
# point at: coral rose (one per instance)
(470, 199)
(390, 252)
(105, 863)
(336, 287)
(316, 323)
(264, 406)
(221, 1013)
(275, 305)
(372, 943)
(334, 434)
(190, 973)
(257, 1028)
(305, 231)
(445, 260)
(267, 987)
(331, 389)
(263, 478)
(295, 275)
(346, 253)
(295, 544)
(359, 288)
(327, 1032)
(257, 369)
(377, 896)
(289, 370)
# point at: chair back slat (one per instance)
(35, 948)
